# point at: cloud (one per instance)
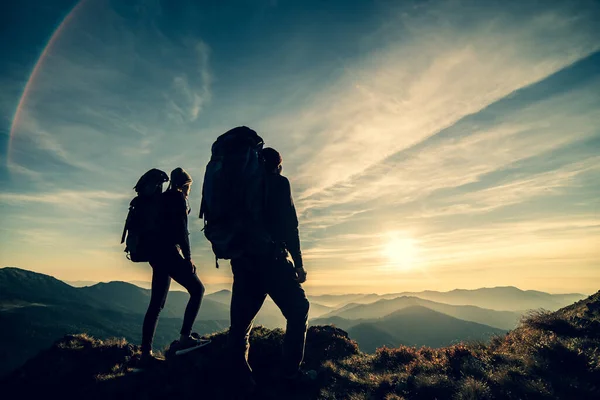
(23, 171)
(419, 85)
(467, 153)
(533, 244)
(545, 184)
(192, 98)
(70, 200)
(39, 237)
(458, 126)
(121, 86)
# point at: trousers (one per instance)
(255, 277)
(167, 265)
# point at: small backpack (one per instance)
(142, 226)
(233, 195)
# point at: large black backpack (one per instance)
(142, 226)
(233, 195)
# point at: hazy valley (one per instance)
(39, 309)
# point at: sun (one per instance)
(401, 251)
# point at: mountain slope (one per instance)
(418, 326)
(381, 308)
(549, 356)
(370, 336)
(33, 328)
(18, 286)
(336, 321)
(337, 300)
(37, 309)
(222, 296)
(125, 297)
(506, 298)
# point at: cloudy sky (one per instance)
(430, 144)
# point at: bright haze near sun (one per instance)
(430, 144)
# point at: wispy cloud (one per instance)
(416, 87)
(547, 184)
(129, 89)
(78, 200)
(465, 128)
(188, 99)
(466, 154)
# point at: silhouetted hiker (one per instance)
(250, 219)
(256, 276)
(142, 225)
(172, 258)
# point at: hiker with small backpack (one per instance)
(250, 219)
(157, 232)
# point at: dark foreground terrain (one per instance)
(549, 356)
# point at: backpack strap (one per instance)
(128, 219)
(124, 233)
(202, 207)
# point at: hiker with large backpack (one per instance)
(250, 219)
(157, 228)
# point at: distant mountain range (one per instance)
(21, 286)
(381, 308)
(417, 326)
(549, 356)
(210, 288)
(507, 298)
(36, 309)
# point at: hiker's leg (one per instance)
(181, 271)
(247, 298)
(160, 289)
(289, 296)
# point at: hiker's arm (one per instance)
(183, 236)
(292, 236)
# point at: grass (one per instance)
(549, 356)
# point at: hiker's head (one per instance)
(181, 180)
(273, 160)
(151, 182)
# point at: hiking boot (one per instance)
(301, 378)
(190, 343)
(147, 361)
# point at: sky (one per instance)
(430, 144)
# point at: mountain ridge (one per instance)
(548, 356)
(47, 308)
(497, 319)
(419, 326)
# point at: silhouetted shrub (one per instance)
(473, 389)
(390, 359)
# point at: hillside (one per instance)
(339, 300)
(370, 336)
(35, 327)
(503, 298)
(37, 309)
(19, 286)
(417, 326)
(507, 298)
(381, 308)
(125, 297)
(549, 356)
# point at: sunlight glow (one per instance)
(401, 251)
